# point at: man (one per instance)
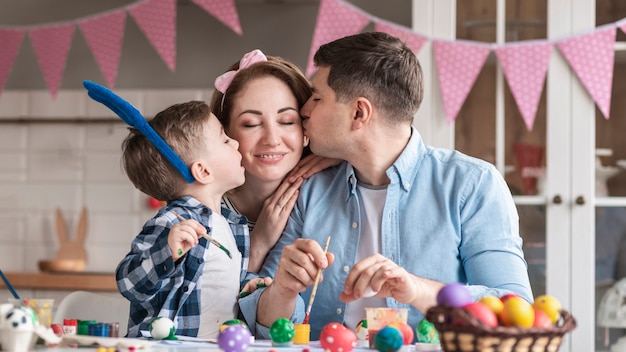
(404, 218)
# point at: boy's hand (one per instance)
(183, 236)
(252, 285)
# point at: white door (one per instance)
(552, 168)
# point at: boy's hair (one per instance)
(222, 104)
(182, 127)
(376, 66)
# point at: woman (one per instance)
(258, 102)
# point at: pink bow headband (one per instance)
(223, 81)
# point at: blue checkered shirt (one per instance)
(156, 285)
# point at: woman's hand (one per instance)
(310, 165)
(253, 284)
(271, 222)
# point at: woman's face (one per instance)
(266, 122)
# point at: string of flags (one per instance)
(458, 62)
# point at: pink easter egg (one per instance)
(337, 338)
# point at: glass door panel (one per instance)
(490, 114)
(610, 173)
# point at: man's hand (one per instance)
(379, 276)
(297, 269)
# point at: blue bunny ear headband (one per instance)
(127, 112)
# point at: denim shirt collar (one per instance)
(405, 167)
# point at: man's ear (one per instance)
(362, 112)
(201, 172)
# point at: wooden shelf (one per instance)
(62, 281)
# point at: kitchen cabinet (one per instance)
(566, 173)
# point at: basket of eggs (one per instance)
(508, 323)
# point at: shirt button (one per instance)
(346, 269)
(407, 185)
(339, 311)
(354, 225)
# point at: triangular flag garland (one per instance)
(412, 39)
(525, 67)
(52, 45)
(336, 19)
(10, 42)
(590, 55)
(157, 19)
(458, 66)
(223, 10)
(104, 36)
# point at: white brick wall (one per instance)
(66, 159)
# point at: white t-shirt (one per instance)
(372, 202)
(219, 281)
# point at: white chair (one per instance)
(85, 305)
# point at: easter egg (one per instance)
(507, 296)
(337, 338)
(361, 330)
(162, 328)
(517, 312)
(455, 294)
(282, 332)
(388, 339)
(483, 313)
(234, 338)
(549, 305)
(406, 330)
(493, 302)
(426, 332)
(541, 319)
(227, 323)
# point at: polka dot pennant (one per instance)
(458, 65)
(223, 10)
(412, 39)
(525, 66)
(591, 56)
(335, 20)
(157, 20)
(104, 36)
(52, 45)
(10, 42)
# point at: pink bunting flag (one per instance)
(592, 56)
(413, 40)
(52, 45)
(458, 66)
(10, 42)
(223, 10)
(157, 20)
(525, 67)
(335, 20)
(104, 36)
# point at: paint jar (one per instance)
(70, 326)
(42, 307)
(83, 326)
(303, 334)
(379, 317)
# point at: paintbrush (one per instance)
(317, 281)
(211, 239)
(9, 286)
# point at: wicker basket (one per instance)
(459, 330)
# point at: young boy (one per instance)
(172, 269)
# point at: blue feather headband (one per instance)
(127, 112)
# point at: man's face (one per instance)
(327, 122)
